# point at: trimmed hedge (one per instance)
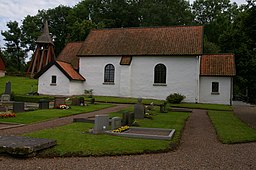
(32, 99)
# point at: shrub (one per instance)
(175, 98)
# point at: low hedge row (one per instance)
(33, 99)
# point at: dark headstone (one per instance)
(81, 101)
(18, 107)
(75, 102)
(139, 110)
(8, 88)
(128, 118)
(43, 104)
(92, 100)
(59, 101)
(163, 108)
(2, 109)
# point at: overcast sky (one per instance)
(16, 10)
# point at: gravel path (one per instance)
(199, 149)
(246, 113)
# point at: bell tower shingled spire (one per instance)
(44, 52)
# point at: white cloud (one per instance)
(16, 10)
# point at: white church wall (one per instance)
(76, 87)
(137, 80)
(62, 86)
(224, 95)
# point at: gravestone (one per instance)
(139, 110)
(8, 88)
(128, 118)
(59, 101)
(75, 102)
(81, 101)
(115, 123)
(5, 98)
(18, 107)
(43, 104)
(163, 108)
(101, 124)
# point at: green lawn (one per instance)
(230, 129)
(20, 85)
(74, 139)
(42, 115)
(204, 106)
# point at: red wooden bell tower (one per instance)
(43, 54)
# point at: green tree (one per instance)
(16, 55)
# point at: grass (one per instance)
(20, 85)
(204, 106)
(230, 129)
(86, 144)
(43, 115)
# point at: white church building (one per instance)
(141, 62)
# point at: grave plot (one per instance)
(146, 133)
(23, 146)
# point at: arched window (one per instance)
(160, 74)
(109, 74)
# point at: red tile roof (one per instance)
(217, 65)
(2, 65)
(177, 40)
(68, 54)
(65, 68)
(69, 70)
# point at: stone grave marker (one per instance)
(59, 101)
(18, 107)
(43, 104)
(81, 101)
(139, 110)
(128, 118)
(115, 123)
(5, 98)
(8, 88)
(75, 102)
(101, 124)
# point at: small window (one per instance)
(109, 74)
(160, 74)
(215, 87)
(126, 60)
(54, 80)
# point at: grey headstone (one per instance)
(43, 104)
(139, 110)
(115, 123)
(5, 98)
(101, 124)
(8, 88)
(18, 107)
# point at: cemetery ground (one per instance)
(228, 127)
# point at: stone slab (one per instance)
(7, 125)
(23, 146)
(146, 133)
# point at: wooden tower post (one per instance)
(43, 54)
